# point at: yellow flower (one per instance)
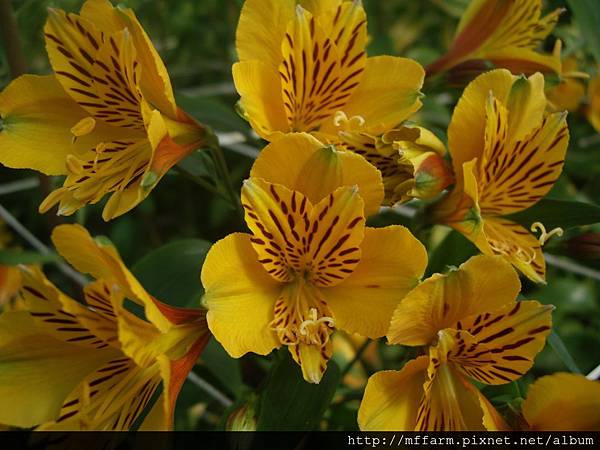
(507, 154)
(106, 118)
(474, 329)
(503, 33)
(563, 401)
(306, 269)
(410, 159)
(301, 62)
(593, 109)
(568, 93)
(65, 365)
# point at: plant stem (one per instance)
(201, 182)
(356, 358)
(221, 165)
(11, 40)
(210, 390)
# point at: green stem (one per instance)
(356, 358)
(11, 40)
(224, 175)
(201, 182)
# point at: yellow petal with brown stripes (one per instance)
(499, 347)
(293, 238)
(279, 220)
(57, 315)
(483, 283)
(317, 76)
(448, 403)
(38, 372)
(516, 174)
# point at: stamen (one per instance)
(340, 119)
(314, 321)
(545, 236)
(83, 127)
(508, 249)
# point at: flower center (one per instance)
(511, 249)
(301, 315)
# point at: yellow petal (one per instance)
(37, 372)
(466, 130)
(499, 346)
(320, 72)
(517, 245)
(101, 73)
(259, 87)
(239, 313)
(109, 399)
(156, 419)
(389, 93)
(514, 175)
(102, 261)
(154, 82)
(293, 238)
(61, 317)
(392, 262)
(312, 360)
(318, 170)
(392, 398)
(322, 8)
(10, 282)
(261, 30)
(482, 284)
(561, 402)
(460, 209)
(449, 403)
(37, 116)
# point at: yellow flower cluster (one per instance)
(339, 147)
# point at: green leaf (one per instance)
(587, 15)
(172, 273)
(561, 350)
(15, 257)
(288, 403)
(558, 213)
(454, 250)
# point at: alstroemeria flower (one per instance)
(504, 33)
(593, 109)
(301, 62)
(65, 365)
(507, 154)
(473, 329)
(106, 119)
(306, 270)
(410, 159)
